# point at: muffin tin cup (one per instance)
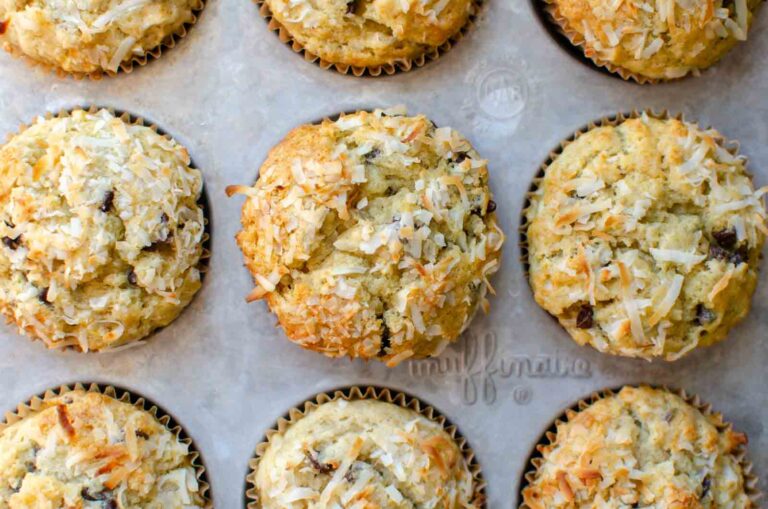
(34, 404)
(127, 66)
(536, 460)
(609, 121)
(388, 69)
(386, 395)
(202, 265)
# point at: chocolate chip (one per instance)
(373, 154)
(322, 468)
(351, 6)
(9, 223)
(112, 504)
(585, 318)
(141, 434)
(12, 244)
(390, 191)
(106, 204)
(704, 315)
(95, 497)
(460, 157)
(349, 476)
(741, 255)
(43, 296)
(385, 341)
(706, 484)
(491, 206)
(726, 238)
(669, 416)
(132, 277)
(164, 218)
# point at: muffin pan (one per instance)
(231, 90)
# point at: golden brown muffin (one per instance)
(88, 450)
(643, 447)
(101, 230)
(371, 236)
(363, 453)
(662, 39)
(370, 33)
(644, 238)
(90, 36)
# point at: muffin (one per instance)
(644, 237)
(92, 36)
(371, 236)
(101, 230)
(86, 449)
(642, 447)
(651, 41)
(368, 34)
(370, 452)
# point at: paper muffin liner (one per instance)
(203, 202)
(35, 403)
(536, 460)
(396, 66)
(609, 121)
(384, 394)
(126, 66)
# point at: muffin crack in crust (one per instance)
(88, 36)
(658, 39)
(371, 32)
(102, 233)
(366, 454)
(642, 447)
(89, 451)
(644, 238)
(371, 236)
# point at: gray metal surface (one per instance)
(231, 90)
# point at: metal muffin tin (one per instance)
(231, 90)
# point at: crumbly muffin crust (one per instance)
(369, 33)
(665, 39)
(88, 450)
(644, 238)
(369, 452)
(90, 36)
(371, 236)
(101, 230)
(643, 447)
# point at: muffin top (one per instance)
(375, 453)
(664, 39)
(101, 231)
(644, 238)
(367, 33)
(90, 36)
(371, 236)
(87, 450)
(643, 447)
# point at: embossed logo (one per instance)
(478, 368)
(502, 94)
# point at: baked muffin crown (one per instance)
(85, 448)
(371, 33)
(89, 37)
(655, 40)
(641, 447)
(101, 227)
(365, 450)
(371, 236)
(644, 238)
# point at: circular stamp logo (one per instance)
(502, 93)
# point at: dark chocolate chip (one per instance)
(349, 476)
(322, 468)
(459, 158)
(385, 341)
(491, 206)
(669, 416)
(390, 191)
(95, 497)
(373, 154)
(106, 204)
(351, 6)
(741, 255)
(704, 315)
(141, 434)
(12, 244)
(132, 277)
(112, 504)
(718, 253)
(706, 484)
(726, 237)
(43, 296)
(585, 318)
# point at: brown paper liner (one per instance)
(352, 393)
(34, 404)
(203, 202)
(612, 121)
(126, 66)
(399, 65)
(548, 440)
